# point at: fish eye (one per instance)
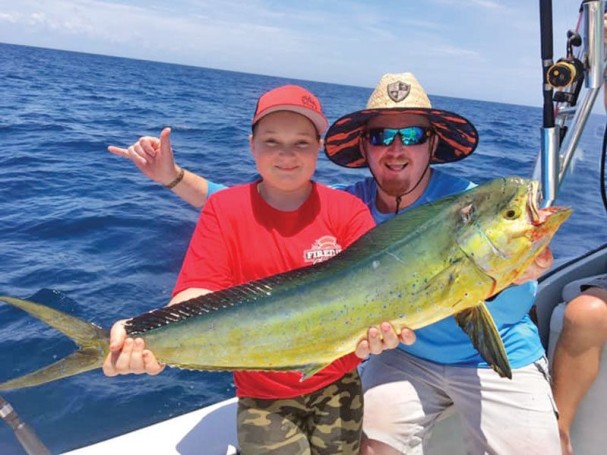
(511, 213)
(467, 213)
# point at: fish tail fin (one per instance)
(78, 362)
(93, 343)
(478, 323)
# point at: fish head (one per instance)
(502, 228)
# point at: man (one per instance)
(398, 136)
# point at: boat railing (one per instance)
(560, 137)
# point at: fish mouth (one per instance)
(534, 199)
(549, 217)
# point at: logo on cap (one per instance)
(309, 102)
(398, 91)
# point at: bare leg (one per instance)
(577, 356)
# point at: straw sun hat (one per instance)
(397, 94)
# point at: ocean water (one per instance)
(85, 232)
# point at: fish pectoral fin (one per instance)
(310, 370)
(478, 324)
(440, 284)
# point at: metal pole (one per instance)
(549, 162)
(25, 435)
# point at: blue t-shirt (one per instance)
(214, 187)
(445, 342)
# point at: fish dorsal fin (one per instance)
(478, 323)
(245, 293)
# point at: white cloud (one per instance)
(6, 17)
(343, 41)
(457, 52)
(467, 4)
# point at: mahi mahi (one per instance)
(441, 259)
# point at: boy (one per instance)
(260, 229)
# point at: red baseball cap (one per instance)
(295, 99)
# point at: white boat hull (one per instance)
(210, 430)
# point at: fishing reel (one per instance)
(564, 73)
(567, 72)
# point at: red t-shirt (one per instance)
(240, 238)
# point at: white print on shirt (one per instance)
(322, 249)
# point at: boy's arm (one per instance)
(129, 356)
(154, 158)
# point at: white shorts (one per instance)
(404, 397)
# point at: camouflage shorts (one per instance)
(325, 422)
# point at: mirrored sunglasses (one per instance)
(411, 135)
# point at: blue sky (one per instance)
(476, 49)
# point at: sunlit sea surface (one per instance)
(83, 231)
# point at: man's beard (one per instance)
(396, 188)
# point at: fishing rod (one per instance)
(25, 435)
(564, 115)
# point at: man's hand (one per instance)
(382, 338)
(541, 265)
